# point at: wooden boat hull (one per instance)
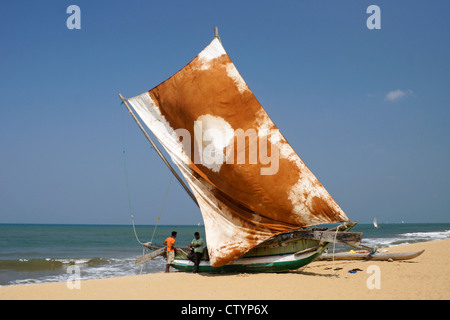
(282, 253)
(271, 263)
(287, 251)
(374, 257)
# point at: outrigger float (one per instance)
(376, 256)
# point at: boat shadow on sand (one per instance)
(246, 275)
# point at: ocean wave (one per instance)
(44, 264)
(407, 238)
(33, 271)
(436, 235)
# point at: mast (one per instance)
(216, 33)
(189, 192)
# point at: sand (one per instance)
(425, 277)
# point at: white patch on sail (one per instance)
(300, 196)
(212, 135)
(213, 51)
(265, 125)
(233, 73)
(149, 112)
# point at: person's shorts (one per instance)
(170, 257)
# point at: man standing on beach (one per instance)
(170, 243)
(197, 244)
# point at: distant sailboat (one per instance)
(375, 223)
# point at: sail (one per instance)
(375, 222)
(248, 181)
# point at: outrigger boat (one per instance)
(261, 212)
(288, 251)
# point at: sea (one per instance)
(41, 253)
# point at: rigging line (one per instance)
(125, 165)
(126, 180)
(144, 250)
(189, 192)
(160, 211)
(334, 247)
(135, 234)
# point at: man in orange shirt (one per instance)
(170, 243)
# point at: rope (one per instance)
(160, 211)
(145, 249)
(334, 247)
(126, 177)
(145, 245)
(186, 188)
(154, 231)
(125, 165)
(135, 234)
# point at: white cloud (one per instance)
(398, 94)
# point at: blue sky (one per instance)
(367, 110)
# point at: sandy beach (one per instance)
(425, 277)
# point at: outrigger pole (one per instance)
(124, 101)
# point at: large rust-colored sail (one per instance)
(248, 181)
